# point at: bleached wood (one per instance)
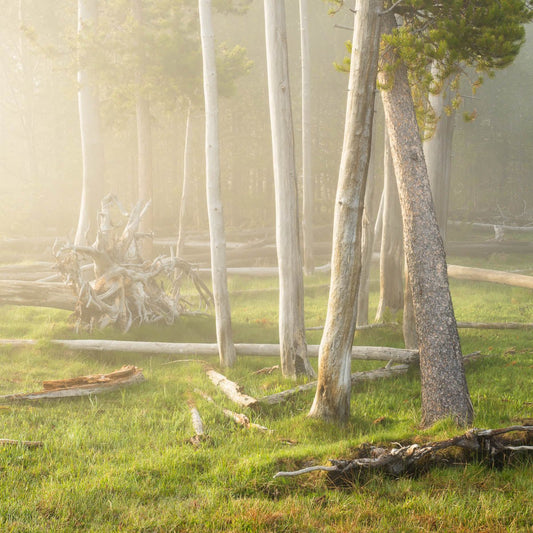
(23, 443)
(494, 276)
(230, 389)
(38, 294)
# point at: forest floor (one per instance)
(122, 461)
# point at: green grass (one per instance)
(121, 461)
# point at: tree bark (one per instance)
(217, 236)
(444, 387)
(438, 154)
(391, 255)
(332, 399)
(92, 147)
(307, 177)
(291, 311)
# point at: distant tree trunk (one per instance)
(367, 243)
(444, 387)
(307, 213)
(92, 147)
(217, 237)
(144, 142)
(185, 185)
(391, 256)
(332, 399)
(438, 154)
(291, 313)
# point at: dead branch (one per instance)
(483, 444)
(267, 370)
(230, 389)
(82, 385)
(23, 443)
(357, 377)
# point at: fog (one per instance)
(40, 148)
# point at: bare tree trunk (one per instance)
(438, 154)
(444, 387)
(144, 144)
(391, 256)
(307, 213)
(214, 201)
(291, 312)
(92, 147)
(185, 185)
(367, 244)
(332, 399)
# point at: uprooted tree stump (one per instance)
(126, 289)
(488, 445)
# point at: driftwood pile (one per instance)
(487, 445)
(126, 289)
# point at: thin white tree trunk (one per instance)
(391, 256)
(291, 311)
(444, 388)
(438, 153)
(92, 148)
(185, 185)
(144, 145)
(214, 201)
(332, 399)
(308, 189)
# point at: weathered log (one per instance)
(38, 294)
(23, 443)
(197, 424)
(494, 276)
(485, 444)
(82, 386)
(230, 389)
(238, 418)
(357, 377)
(481, 225)
(494, 325)
(376, 353)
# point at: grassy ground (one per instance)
(121, 461)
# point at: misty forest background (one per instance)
(40, 150)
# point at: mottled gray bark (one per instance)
(332, 398)
(444, 387)
(391, 255)
(291, 312)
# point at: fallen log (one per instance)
(494, 276)
(483, 444)
(357, 377)
(197, 424)
(494, 325)
(238, 418)
(23, 443)
(366, 353)
(82, 385)
(38, 294)
(230, 389)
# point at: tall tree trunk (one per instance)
(217, 237)
(92, 147)
(367, 243)
(410, 338)
(444, 387)
(180, 244)
(307, 213)
(391, 255)
(144, 141)
(438, 153)
(332, 399)
(291, 311)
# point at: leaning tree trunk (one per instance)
(144, 142)
(291, 311)
(444, 387)
(92, 147)
(391, 256)
(332, 398)
(307, 177)
(217, 237)
(438, 153)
